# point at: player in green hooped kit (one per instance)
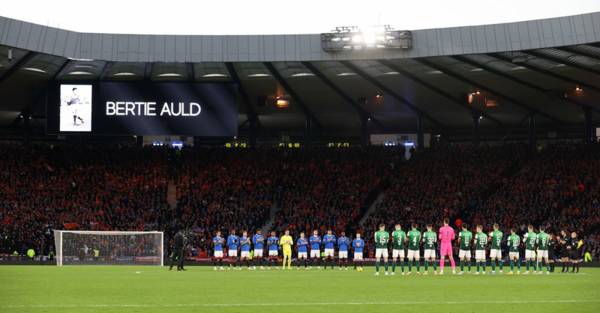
(429, 241)
(464, 254)
(514, 241)
(481, 240)
(398, 243)
(530, 240)
(543, 240)
(496, 251)
(414, 244)
(382, 239)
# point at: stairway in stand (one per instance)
(172, 194)
(372, 207)
(266, 228)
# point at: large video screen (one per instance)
(75, 108)
(143, 108)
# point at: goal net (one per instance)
(108, 247)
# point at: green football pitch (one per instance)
(200, 289)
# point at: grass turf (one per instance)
(200, 289)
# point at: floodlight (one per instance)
(345, 38)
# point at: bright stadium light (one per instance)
(214, 75)
(374, 37)
(170, 75)
(35, 69)
(81, 60)
(80, 73)
(258, 75)
(302, 74)
(124, 74)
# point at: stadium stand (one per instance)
(46, 187)
(328, 188)
(446, 182)
(220, 189)
(99, 188)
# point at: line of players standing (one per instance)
(251, 250)
(540, 249)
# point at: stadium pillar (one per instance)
(364, 131)
(253, 132)
(476, 121)
(531, 132)
(26, 127)
(589, 126)
(307, 131)
(420, 135)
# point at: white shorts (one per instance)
(542, 254)
(315, 253)
(273, 252)
(245, 254)
(398, 253)
(218, 254)
(464, 254)
(529, 254)
(480, 255)
(303, 255)
(258, 253)
(514, 255)
(495, 254)
(414, 255)
(381, 252)
(429, 254)
(358, 255)
(232, 253)
(329, 252)
(343, 254)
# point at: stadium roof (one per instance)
(267, 17)
(549, 68)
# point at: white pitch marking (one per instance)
(299, 304)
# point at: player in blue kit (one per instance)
(343, 242)
(302, 245)
(329, 243)
(315, 248)
(358, 244)
(232, 249)
(245, 249)
(273, 246)
(259, 245)
(218, 243)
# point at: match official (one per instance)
(178, 252)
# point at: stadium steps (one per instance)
(493, 187)
(372, 207)
(266, 228)
(172, 194)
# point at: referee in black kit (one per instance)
(178, 251)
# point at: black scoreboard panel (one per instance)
(143, 108)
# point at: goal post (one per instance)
(79, 247)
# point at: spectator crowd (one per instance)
(45, 187)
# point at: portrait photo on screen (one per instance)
(75, 108)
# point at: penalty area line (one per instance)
(299, 304)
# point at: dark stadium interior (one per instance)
(555, 89)
(508, 136)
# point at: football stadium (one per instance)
(434, 156)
